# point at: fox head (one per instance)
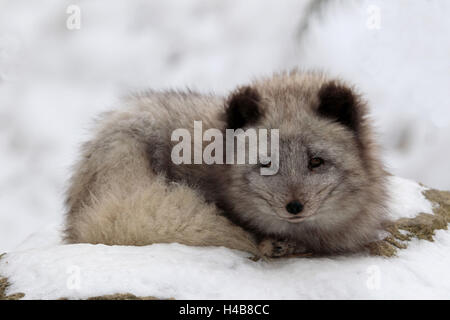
(329, 175)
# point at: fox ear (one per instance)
(243, 107)
(340, 103)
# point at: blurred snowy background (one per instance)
(54, 77)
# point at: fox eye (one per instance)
(315, 162)
(266, 165)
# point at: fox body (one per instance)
(328, 195)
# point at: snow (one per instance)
(182, 272)
(406, 198)
(397, 53)
(45, 269)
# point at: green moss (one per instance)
(443, 199)
(382, 248)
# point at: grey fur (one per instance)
(344, 200)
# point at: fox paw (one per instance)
(277, 248)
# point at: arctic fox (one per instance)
(328, 195)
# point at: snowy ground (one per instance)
(181, 272)
(53, 80)
(176, 271)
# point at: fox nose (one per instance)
(294, 207)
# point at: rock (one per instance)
(120, 296)
(4, 285)
(422, 226)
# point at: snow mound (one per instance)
(181, 272)
(81, 271)
(407, 199)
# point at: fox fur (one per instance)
(125, 190)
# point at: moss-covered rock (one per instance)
(121, 296)
(4, 285)
(423, 226)
(126, 296)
